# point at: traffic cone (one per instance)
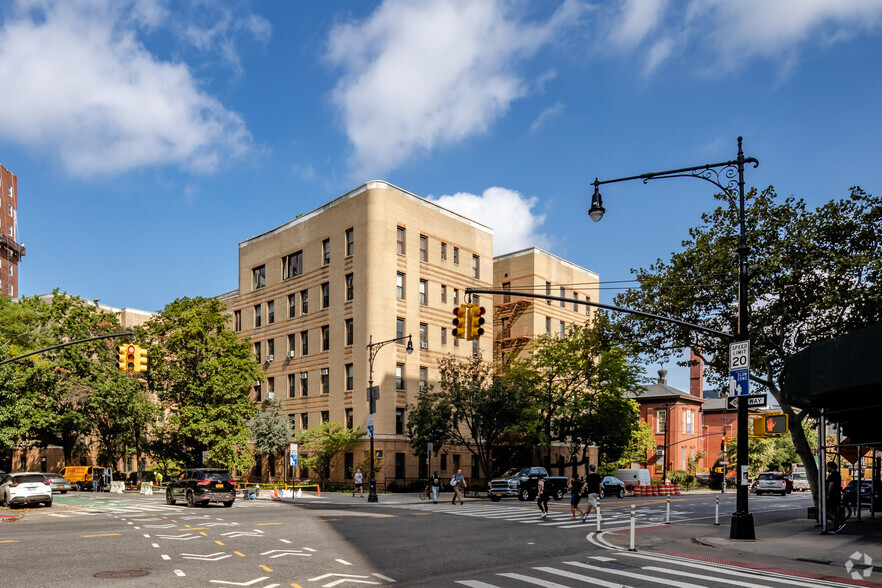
(275, 493)
(318, 489)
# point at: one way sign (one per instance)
(753, 401)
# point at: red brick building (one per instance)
(11, 251)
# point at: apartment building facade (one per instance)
(11, 251)
(376, 264)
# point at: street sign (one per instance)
(370, 422)
(370, 431)
(753, 401)
(724, 463)
(739, 355)
(293, 454)
(373, 392)
(739, 382)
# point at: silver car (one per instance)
(58, 483)
(771, 483)
(25, 488)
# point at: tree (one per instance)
(119, 412)
(203, 375)
(428, 421)
(814, 275)
(270, 429)
(324, 442)
(641, 442)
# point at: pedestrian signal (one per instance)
(771, 425)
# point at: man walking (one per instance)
(834, 498)
(458, 483)
(435, 484)
(592, 488)
(359, 484)
(576, 486)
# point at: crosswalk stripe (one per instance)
(589, 579)
(704, 577)
(634, 575)
(476, 584)
(534, 581)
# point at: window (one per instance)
(587, 308)
(350, 287)
(292, 305)
(326, 338)
(350, 376)
(506, 297)
(349, 424)
(424, 377)
(443, 336)
(258, 396)
(326, 252)
(304, 383)
(400, 240)
(443, 251)
(424, 336)
(399, 328)
(475, 349)
(399, 286)
(326, 295)
(688, 421)
(399, 376)
(271, 348)
(661, 420)
(399, 422)
(424, 294)
(292, 345)
(456, 297)
(292, 265)
(304, 343)
(563, 294)
(443, 462)
(270, 388)
(348, 328)
(476, 267)
(292, 385)
(326, 416)
(257, 351)
(456, 256)
(304, 420)
(270, 312)
(304, 301)
(443, 294)
(10, 209)
(563, 329)
(548, 326)
(424, 248)
(455, 342)
(326, 381)
(548, 292)
(350, 242)
(237, 320)
(258, 277)
(399, 466)
(256, 315)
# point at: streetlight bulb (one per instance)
(597, 209)
(409, 348)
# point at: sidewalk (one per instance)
(795, 545)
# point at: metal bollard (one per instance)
(599, 520)
(717, 513)
(633, 526)
(668, 512)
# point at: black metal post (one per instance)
(665, 456)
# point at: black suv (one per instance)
(201, 486)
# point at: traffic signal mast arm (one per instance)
(604, 306)
(110, 336)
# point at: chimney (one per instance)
(696, 375)
(661, 376)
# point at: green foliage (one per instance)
(324, 442)
(270, 429)
(428, 421)
(641, 442)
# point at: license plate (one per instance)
(218, 485)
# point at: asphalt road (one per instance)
(134, 540)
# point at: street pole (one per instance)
(728, 176)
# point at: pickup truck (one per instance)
(522, 482)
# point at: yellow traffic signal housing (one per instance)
(140, 359)
(121, 357)
(475, 321)
(460, 323)
(771, 425)
(130, 357)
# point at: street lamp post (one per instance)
(727, 176)
(372, 396)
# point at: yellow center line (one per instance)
(239, 553)
(327, 520)
(172, 520)
(296, 586)
(218, 542)
(420, 514)
(165, 517)
(102, 535)
(9, 541)
(262, 524)
(203, 534)
(192, 529)
(266, 568)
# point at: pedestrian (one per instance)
(359, 483)
(435, 484)
(458, 483)
(159, 479)
(576, 486)
(96, 479)
(592, 489)
(834, 497)
(542, 496)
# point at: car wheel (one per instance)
(524, 495)
(758, 493)
(169, 499)
(602, 493)
(48, 503)
(64, 491)
(495, 498)
(559, 494)
(621, 492)
(190, 502)
(228, 504)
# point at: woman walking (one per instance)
(542, 497)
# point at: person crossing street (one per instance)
(592, 489)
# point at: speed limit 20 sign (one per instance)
(739, 355)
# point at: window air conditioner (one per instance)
(270, 395)
(270, 358)
(424, 345)
(290, 355)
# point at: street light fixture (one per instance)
(372, 395)
(727, 176)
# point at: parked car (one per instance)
(849, 494)
(58, 483)
(201, 486)
(523, 483)
(81, 477)
(634, 477)
(25, 488)
(800, 481)
(771, 482)
(612, 486)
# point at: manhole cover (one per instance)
(120, 574)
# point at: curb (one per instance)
(9, 518)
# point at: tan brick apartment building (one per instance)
(11, 251)
(375, 264)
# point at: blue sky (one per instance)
(172, 131)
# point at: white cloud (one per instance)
(508, 212)
(80, 86)
(634, 20)
(418, 75)
(549, 113)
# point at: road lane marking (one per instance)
(327, 520)
(284, 541)
(180, 573)
(262, 524)
(265, 568)
(203, 534)
(239, 553)
(102, 535)
(9, 541)
(344, 562)
(155, 544)
(165, 557)
(219, 543)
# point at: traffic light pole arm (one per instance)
(713, 332)
(110, 336)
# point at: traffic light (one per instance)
(461, 321)
(475, 322)
(140, 359)
(121, 357)
(128, 359)
(771, 425)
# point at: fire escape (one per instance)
(504, 317)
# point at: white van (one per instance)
(634, 477)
